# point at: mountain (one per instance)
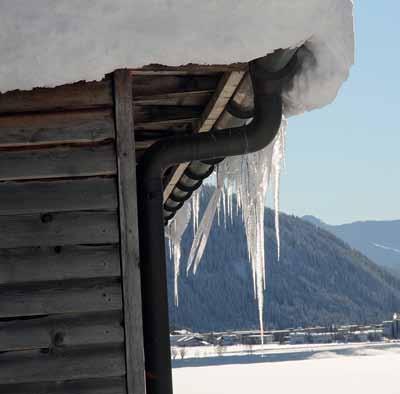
(319, 280)
(378, 240)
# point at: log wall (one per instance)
(67, 268)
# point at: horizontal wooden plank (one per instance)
(67, 228)
(60, 297)
(154, 114)
(190, 98)
(87, 386)
(189, 69)
(58, 263)
(61, 162)
(61, 330)
(79, 95)
(65, 364)
(145, 138)
(57, 127)
(58, 196)
(145, 144)
(171, 124)
(151, 85)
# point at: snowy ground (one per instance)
(358, 368)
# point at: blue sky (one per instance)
(343, 161)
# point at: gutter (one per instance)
(268, 75)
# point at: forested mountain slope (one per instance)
(319, 280)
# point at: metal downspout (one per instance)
(268, 75)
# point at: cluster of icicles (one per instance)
(250, 177)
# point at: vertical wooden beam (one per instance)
(132, 299)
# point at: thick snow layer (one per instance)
(48, 43)
(369, 373)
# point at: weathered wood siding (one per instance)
(63, 261)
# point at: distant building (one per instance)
(297, 338)
(255, 339)
(191, 341)
(322, 337)
(227, 340)
(391, 328)
(358, 336)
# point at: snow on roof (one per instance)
(49, 43)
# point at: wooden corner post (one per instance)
(132, 299)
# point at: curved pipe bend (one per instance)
(258, 134)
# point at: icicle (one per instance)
(258, 170)
(250, 177)
(278, 162)
(200, 239)
(174, 233)
(195, 209)
(224, 202)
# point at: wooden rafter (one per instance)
(225, 90)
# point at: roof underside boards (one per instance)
(180, 101)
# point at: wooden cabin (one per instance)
(70, 289)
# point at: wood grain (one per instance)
(86, 386)
(188, 69)
(68, 228)
(81, 95)
(164, 113)
(61, 330)
(151, 85)
(128, 218)
(42, 264)
(56, 127)
(57, 162)
(65, 364)
(58, 196)
(64, 297)
(189, 98)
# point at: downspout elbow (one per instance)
(258, 134)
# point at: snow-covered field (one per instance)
(357, 368)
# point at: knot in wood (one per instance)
(46, 218)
